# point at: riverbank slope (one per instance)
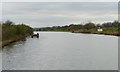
(13, 39)
(13, 32)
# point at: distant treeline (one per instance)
(11, 30)
(108, 28)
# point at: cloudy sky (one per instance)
(42, 14)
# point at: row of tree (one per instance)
(74, 27)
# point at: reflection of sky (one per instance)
(59, 13)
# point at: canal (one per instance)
(62, 51)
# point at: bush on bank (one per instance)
(9, 30)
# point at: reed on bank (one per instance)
(12, 32)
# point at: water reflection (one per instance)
(63, 51)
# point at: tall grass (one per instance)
(9, 29)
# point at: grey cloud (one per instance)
(59, 13)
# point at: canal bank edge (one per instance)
(99, 33)
(13, 39)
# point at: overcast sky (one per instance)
(42, 14)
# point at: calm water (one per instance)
(62, 51)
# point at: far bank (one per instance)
(108, 28)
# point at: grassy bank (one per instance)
(106, 31)
(13, 39)
(13, 32)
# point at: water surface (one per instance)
(63, 51)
